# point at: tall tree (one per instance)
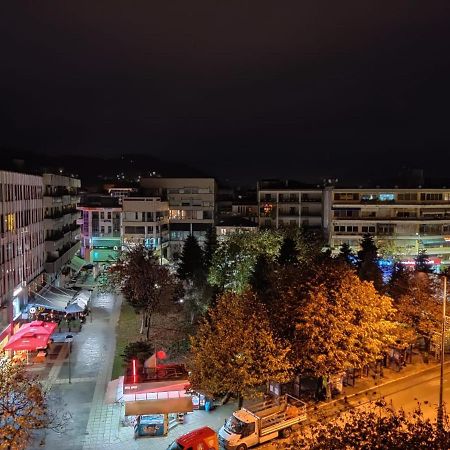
(417, 298)
(288, 252)
(234, 350)
(346, 254)
(145, 284)
(345, 324)
(191, 261)
(259, 280)
(235, 258)
(24, 407)
(422, 262)
(368, 262)
(209, 247)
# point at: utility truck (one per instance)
(261, 422)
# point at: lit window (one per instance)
(10, 222)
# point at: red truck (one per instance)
(200, 439)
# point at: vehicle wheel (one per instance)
(242, 447)
(286, 433)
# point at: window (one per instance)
(352, 229)
(346, 196)
(109, 215)
(407, 196)
(368, 229)
(431, 196)
(386, 228)
(10, 222)
(339, 229)
(386, 197)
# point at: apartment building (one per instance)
(289, 204)
(192, 206)
(100, 228)
(404, 219)
(62, 233)
(145, 220)
(21, 245)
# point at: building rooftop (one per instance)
(99, 201)
(286, 184)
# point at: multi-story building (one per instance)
(192, 206)
(289, 204)
(145, 220)
(21, 245)
(405, 220)
(121, 192)
(229, 225)
(62, 233)
(100, 228)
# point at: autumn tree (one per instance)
(24, 407)
(344, 324)
(146, 285)
(234, 350)
(235, 258)
(418, 301)
(376, 427)
(368, 262)
(191, 260)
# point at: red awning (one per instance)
(27, 342)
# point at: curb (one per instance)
(332, 402)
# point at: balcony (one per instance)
(288, 200)
(55, 264)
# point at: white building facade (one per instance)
(145, 220)
(289, 204)
(403, 220)
(22, 250)
(192, 206)
(62, 233)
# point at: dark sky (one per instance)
(292, 89)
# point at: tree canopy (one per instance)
(191, 261)
(23, 407)
(146, 285)
(345, 323)
(234, 350)
(236, 256)
(368, 262)
(378, 427)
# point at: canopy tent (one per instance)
(74, 308)
(83, 297)
(27, 341)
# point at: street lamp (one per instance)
(69, 339)
(440, 413)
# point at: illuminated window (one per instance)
(10, 222)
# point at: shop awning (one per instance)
(160, 406)
(51, 298)
(76, 263)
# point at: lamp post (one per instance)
(69, 339)
(440, 413)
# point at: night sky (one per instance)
(238, 89)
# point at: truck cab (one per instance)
(261, 422)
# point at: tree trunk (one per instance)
(240, 400)
(149, 321)
(141, 330)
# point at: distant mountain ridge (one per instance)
(95, 170)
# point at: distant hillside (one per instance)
(95, 170)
